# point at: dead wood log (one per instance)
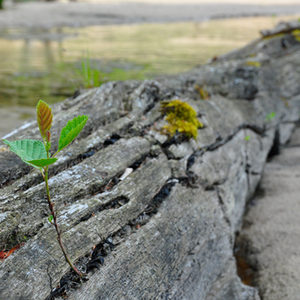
(167, 230)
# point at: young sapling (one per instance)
(37, 154)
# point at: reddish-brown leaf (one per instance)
(44, 117)
(6, 254)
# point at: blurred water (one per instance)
(45, 64)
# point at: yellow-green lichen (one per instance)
(285, 101)
(296, 34)
(252, 55)
(181, 117)
(274, 35)
(253, 63)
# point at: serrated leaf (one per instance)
(44, 117)
(40, 163)
(28, 150)
(71, 131)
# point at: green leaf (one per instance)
(28, 150)
(40, 163)
(71, 131)
(50, 218)
(247, 138)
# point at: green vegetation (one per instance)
(90, 76)
(247, 138)
(270, 116)
(36, 153)
(181, 117)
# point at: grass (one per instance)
(91, 77)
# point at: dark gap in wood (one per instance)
(19, 172)
(140, 161)
(246, 269)
(101, 122)
(111, 140)
(275, 149)
(246, 264)
(150, 106)
(110, 183)
(222, 206)
(112, 204)
(144, 130)
(178, 138)
(37, 179)
(87, 154)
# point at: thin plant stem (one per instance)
(54, 222)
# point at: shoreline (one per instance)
(35, 15)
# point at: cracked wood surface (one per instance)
(172, 220)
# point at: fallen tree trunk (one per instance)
(167, 230)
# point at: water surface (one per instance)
(46, 65)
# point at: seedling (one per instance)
(37, 154)
(247, 138)
(270, 116)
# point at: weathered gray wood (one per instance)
(69, 185)
(173, 219)
(184, 254)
